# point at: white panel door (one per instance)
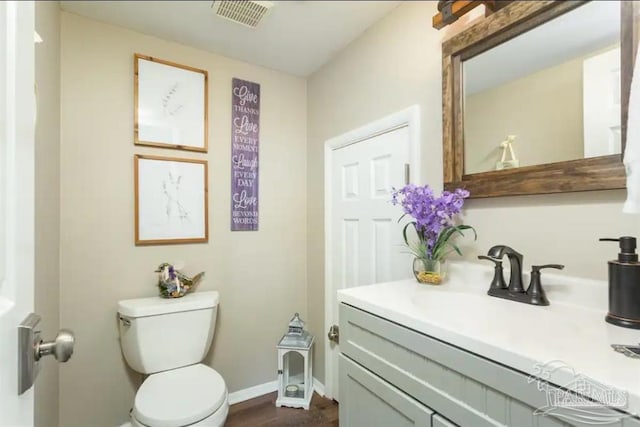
(601, 104)
(366, 239)
(17, 107)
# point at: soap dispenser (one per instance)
(624, 285)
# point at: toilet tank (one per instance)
(158, 334)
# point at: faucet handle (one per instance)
(498, 281)
(495, 260)
(537, 268)
(535, 291)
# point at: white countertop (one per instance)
(571, 329)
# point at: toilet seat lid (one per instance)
(179, 397)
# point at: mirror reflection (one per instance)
(548, 95)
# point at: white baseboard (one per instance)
(262, 389)
(318, 387)
(251, 392)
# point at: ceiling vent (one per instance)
(246, 12)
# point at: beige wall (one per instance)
(261, 275)
(543, 109)
(395, 64)
(47, 192)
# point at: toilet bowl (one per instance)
(194, 395)
(166, 339)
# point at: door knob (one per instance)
(61, 347)
(31, 348)
(334, 334)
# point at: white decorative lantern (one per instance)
(295, 380)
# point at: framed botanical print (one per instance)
(170, 104)
(171, 200)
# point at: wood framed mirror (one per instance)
(556, 74)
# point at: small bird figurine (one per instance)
(175, 284)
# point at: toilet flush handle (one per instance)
(125, 321)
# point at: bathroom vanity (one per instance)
(452, 355)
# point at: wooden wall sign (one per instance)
(245, 140)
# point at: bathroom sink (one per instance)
(472, 313)
(448, 301)
(459, 312)
(523, 337)
(461, 306)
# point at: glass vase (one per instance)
(430, 271)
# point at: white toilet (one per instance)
(167, 339)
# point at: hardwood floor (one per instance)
(262, 412)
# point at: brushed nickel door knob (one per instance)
(334, 334)
(61, 347)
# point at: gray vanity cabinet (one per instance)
(391, 375)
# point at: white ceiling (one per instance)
(297, 37)
(591, 27)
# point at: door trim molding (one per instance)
(410, 118)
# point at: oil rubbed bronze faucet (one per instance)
(515, 259)
(515, 291)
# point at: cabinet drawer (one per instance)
(366, 400)
(438, 421)
(465, 388)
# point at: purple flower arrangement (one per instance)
(433, 219)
